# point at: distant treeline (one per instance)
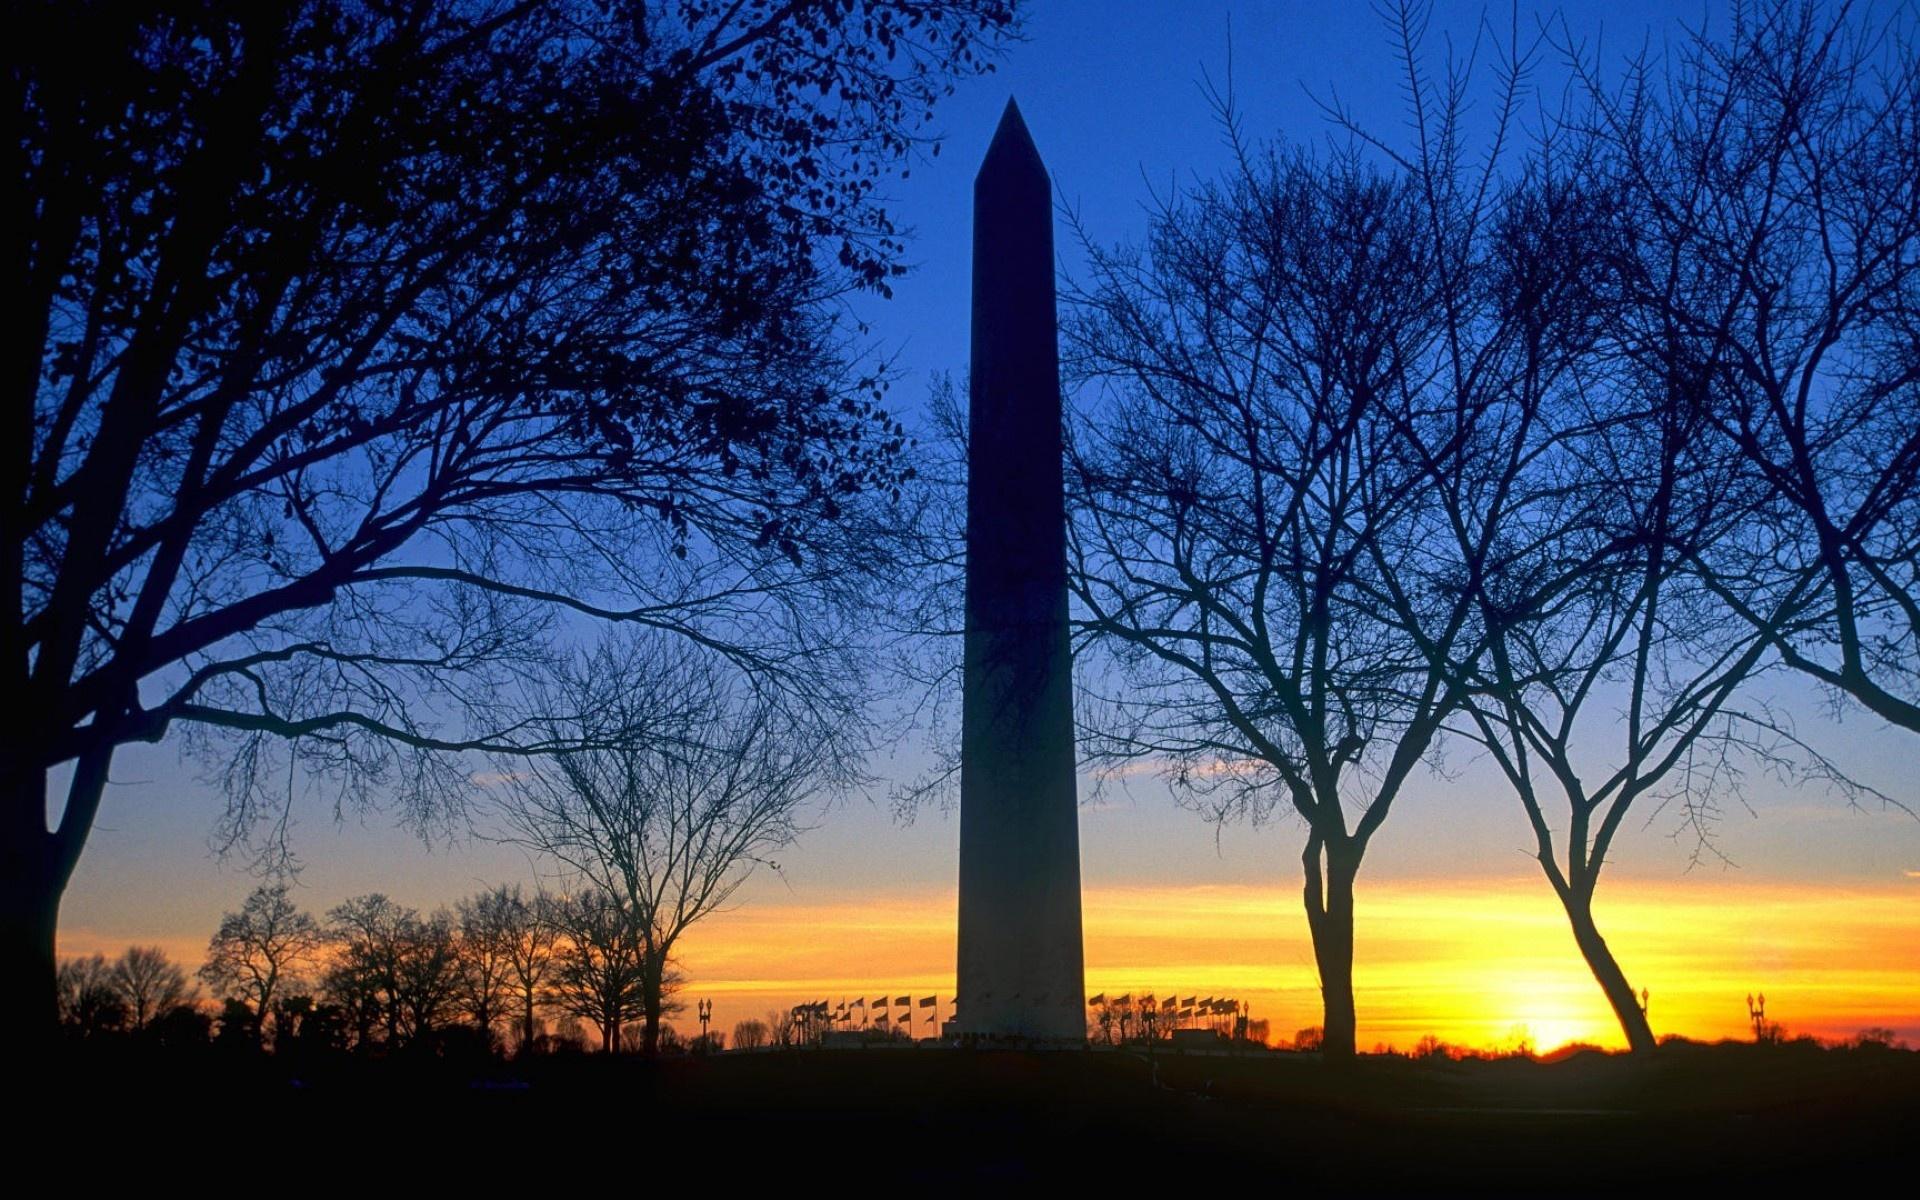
(502, 971)
(505, 972)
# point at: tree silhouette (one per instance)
(238, 1027)
(262, 949)
(149, 984)
(693, 780)
(1771, 267)
(88, 1002)
(783, 1028)
(1594, 641)
(526, 931)
(182, 1026)
(599, 963)
(355, 345)
(393, 969)
(429, 977)
(1617, 611)
(1283, 427)
(489, 934)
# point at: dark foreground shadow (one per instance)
(1764, 1117)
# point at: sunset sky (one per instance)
(1458, 934)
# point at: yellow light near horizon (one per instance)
(1549, 1035)
(1476, 963)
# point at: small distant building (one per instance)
(1196, 1039)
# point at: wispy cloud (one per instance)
(487, 779)
(1155, 765)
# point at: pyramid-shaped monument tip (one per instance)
(1012, 149)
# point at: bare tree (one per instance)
(258, 952)
(783, 1028)
(1293, 450)
(326, 410)
(1606, 680)
(362, 972)
(527, 933)
(1611, 675)
(751, 1034)
(392, 968)
(88, 1003)
(430, 974)
(1770, 217)
(149, 983)
(487, 950)
(694, 780)
(1609, 623)
(599, 963)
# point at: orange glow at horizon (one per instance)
(1476, 963)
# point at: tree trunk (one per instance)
(1613, 981)
(265, 1006)
(650, 1037)
(33, 876)
(1330, 921)
(30, 890)
(653, 981)
(526, 1030)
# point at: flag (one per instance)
(880, 1003)
(860, 1003)
(904, 1002)
(1100, 999)
(928, 1002)
(1189, 1002)
(1126, 999)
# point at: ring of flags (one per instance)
(890, 1010)
(1167, 1011)
(884, 1010)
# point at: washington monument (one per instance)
(1021, 975)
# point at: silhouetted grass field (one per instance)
(1765, 1117)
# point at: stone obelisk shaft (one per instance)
(1021, 974)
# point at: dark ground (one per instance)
(1765, 1119)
